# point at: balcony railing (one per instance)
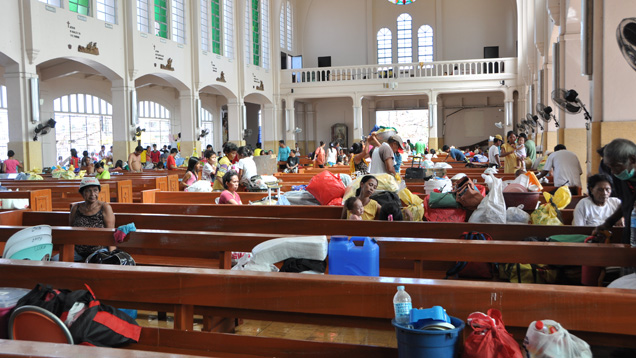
(469, 68)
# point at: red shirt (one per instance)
(171, 164)
(155, 155)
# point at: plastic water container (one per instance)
(9, 296)
(346, 258)
(428, 343)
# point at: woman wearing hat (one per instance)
(90, 213)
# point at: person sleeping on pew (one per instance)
(368, 183)
(596, 208)
(90, 213)
(393, 212)
(231, 184)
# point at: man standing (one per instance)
(319, 156)
(171, 163)
(134, 160)
(383, 156)
(531, 150)
(420, 147)
(565, 166)
(493, 153)
(411, 145)
(455, 153)
(283, 154)
(620, 156)
(258, 150)
(102, 154)
(155, 155)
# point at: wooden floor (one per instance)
(309, 332)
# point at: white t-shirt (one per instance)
(587, 213)
(207, 173)
(332, 155)
(566, 168)
(249, 168)
(492, 151)
(378, 158)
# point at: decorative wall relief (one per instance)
(91, 48)
(260, 87)
(167, 66)
(221, 78)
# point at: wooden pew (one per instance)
(295, 226)
(39, 199)
(155, 196)
(120, 190)
(63, 195)
(597, 315)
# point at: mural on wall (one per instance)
(259, 84)
(91, 48)
(167, 66)
(340, 134)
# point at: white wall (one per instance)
(330, 112)
(470, 126)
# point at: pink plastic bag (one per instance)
(325, 187)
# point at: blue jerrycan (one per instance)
(347, 258)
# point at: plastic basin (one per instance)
(528, 200)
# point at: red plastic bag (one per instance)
(325, 187)
(489, 338)
(455, 215)
(335, 202)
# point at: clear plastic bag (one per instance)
(554, 341)
(516, 214)
(493, 208)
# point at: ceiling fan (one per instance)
(247, 133)
(569, 102)
(138, 131)
(298, 130)
(499, 125)
(626, 37)
(42, 129)
(545, 113)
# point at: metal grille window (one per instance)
(289, 25)
(205, 27)
(256, 33)
(425, 43)
(155, 119)
(161, 18)
(281, 30)
(178, 21)
(107, 10)
(83, 122)
(385, 54)
(265, 32)
(216, 27)
(404, 39)
(81, 7)
(228, 28)
(143, 19)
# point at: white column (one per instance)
(21, 129)
(188, 115)
(123, 125)
(508, 109)
(268, 122)
(432, 115)
(310, 128)
(357, 119)
(236, 115)
(290, 120)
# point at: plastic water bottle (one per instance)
(632, 237)
(402, 306)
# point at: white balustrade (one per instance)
(495, 66)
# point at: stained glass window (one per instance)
(161, 18)
(401, 2)
(79, 6)
(216, 27)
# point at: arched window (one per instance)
(228, 28)
(84, 122)
(265, 32)
(425, 43)
(4, 123)
(404, 39)
(385, 55)
(155, 119)
(286, 26)
(207, 123)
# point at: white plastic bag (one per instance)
(490, 170)
(493, 208)
(558, 344)
(516, 215)
(203, 186)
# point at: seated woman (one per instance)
(190, 177)
(90, 213)
(594, 209)
(371, 207)
(119, 166)
(102, 171)
(246, 166)
(230, 183)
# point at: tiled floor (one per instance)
(309, 332)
